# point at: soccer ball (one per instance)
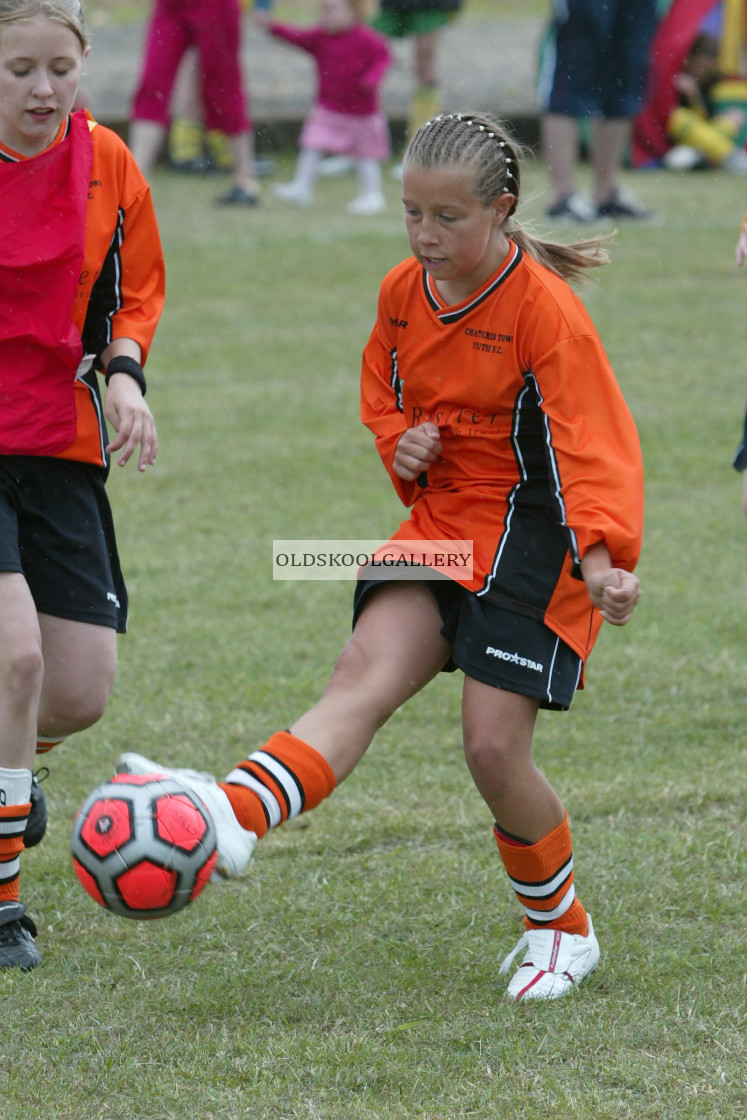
(143, 845)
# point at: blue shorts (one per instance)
(595, 58)
(56, 529)
(499, 646)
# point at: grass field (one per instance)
(354, 972)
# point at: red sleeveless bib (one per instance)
(42, 235)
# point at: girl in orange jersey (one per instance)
(81, 291)
(500, 422)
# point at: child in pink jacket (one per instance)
(346, 119)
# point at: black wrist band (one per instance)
(129, 366)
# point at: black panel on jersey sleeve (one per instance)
(106, 296)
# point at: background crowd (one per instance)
(647, 83)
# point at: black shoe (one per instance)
(238, 196)
(620, 204)
(36, 825)
(198, 165)
(17, 933)
(573, 208)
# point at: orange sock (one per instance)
(12, 824)
(542, 876)
(44, 743)
(279, 781)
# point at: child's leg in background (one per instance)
(224, 96)
(370, 198)
(300, 190)
(186, 133)
(167, 42)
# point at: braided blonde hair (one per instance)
(485, 146)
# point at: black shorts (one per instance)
(499, 646)
(595, 59)
(56, 528)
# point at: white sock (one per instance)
(307, 166)
(369, 176)
(15, 786)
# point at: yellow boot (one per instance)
(424, 104)
(185, 146)
(218, 150)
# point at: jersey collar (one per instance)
(7, 155)
(453, 314)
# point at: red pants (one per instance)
(214, 28)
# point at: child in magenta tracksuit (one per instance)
(214, 28)
(345, 120)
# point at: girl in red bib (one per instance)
(81, 292)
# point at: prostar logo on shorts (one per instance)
(515, 659)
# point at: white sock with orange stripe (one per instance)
(15, 804)
(284, 778)
(542, 876)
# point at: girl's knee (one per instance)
(21, 672)
(488, 751)
(498, 754)
(67, 713)
(361, 683)
(74, 704)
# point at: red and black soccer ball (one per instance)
(143, 845)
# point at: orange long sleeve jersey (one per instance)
(540, 458)
(120, 292)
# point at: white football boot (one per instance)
(235, 844)
(554, 962)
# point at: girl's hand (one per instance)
(416, 450)
(127, 412)
(615, 592)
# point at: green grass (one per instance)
(354, 972)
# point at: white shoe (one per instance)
(292, 192)
(682, 158)
(553, 963)
(736, 162)
(366, 204)
(235, 844)
(333, 166)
